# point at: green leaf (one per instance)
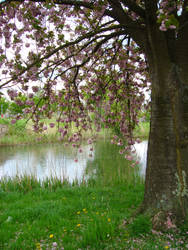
(2, 57)
(172, 21)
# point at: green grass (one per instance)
(22, 133)
(40, 216)
(142, 130)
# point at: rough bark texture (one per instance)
(166, 191)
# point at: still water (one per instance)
(57, 160)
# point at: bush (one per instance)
(4, 121)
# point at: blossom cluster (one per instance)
(167, 14)
(75, 63)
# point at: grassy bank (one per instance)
(142, 130)
(59, 216)
(22, 133)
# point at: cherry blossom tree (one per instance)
(99, 56)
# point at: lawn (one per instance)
(56, 215)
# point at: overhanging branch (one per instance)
(134, 7)
(60, 2)
(132, 28)
(151, 10)
(77, 41)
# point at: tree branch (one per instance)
(151, 10)
(183, 18)
(132, 28)
(78, 40)
(117, 13)
(65, 2)
(185, 5)
(96, 48)
(134, 7)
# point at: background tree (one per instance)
(111, 38)
(17, 106)
(4, 105)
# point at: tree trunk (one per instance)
(166, 193)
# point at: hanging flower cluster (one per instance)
(78, 63)
(167, 14)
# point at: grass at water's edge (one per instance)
(19, 133)
(22, 133)
(56, 215)
(142, 130)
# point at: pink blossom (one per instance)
(30, 95)
(163, 28)
(169, 223)
(138, 140)
(4, 71)
(25, 87)
(26, 111)
(45, 128)
(35, 88)
(61, 130)
(89, 141)
(13, 121)
(129, 157)
(52, 125)
(172, 27)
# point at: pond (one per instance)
(58, 160)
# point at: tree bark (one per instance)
(166, 192)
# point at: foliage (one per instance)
(17, 128)
(4, 105)
(142, 130)
(4, 121)
(16, 108)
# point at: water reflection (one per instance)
(109, 166)
(57, 160)
(43, 161)
(141, 155)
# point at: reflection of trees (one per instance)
(40, 154)
(108, 165)
(39, 151)
(6, 153)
